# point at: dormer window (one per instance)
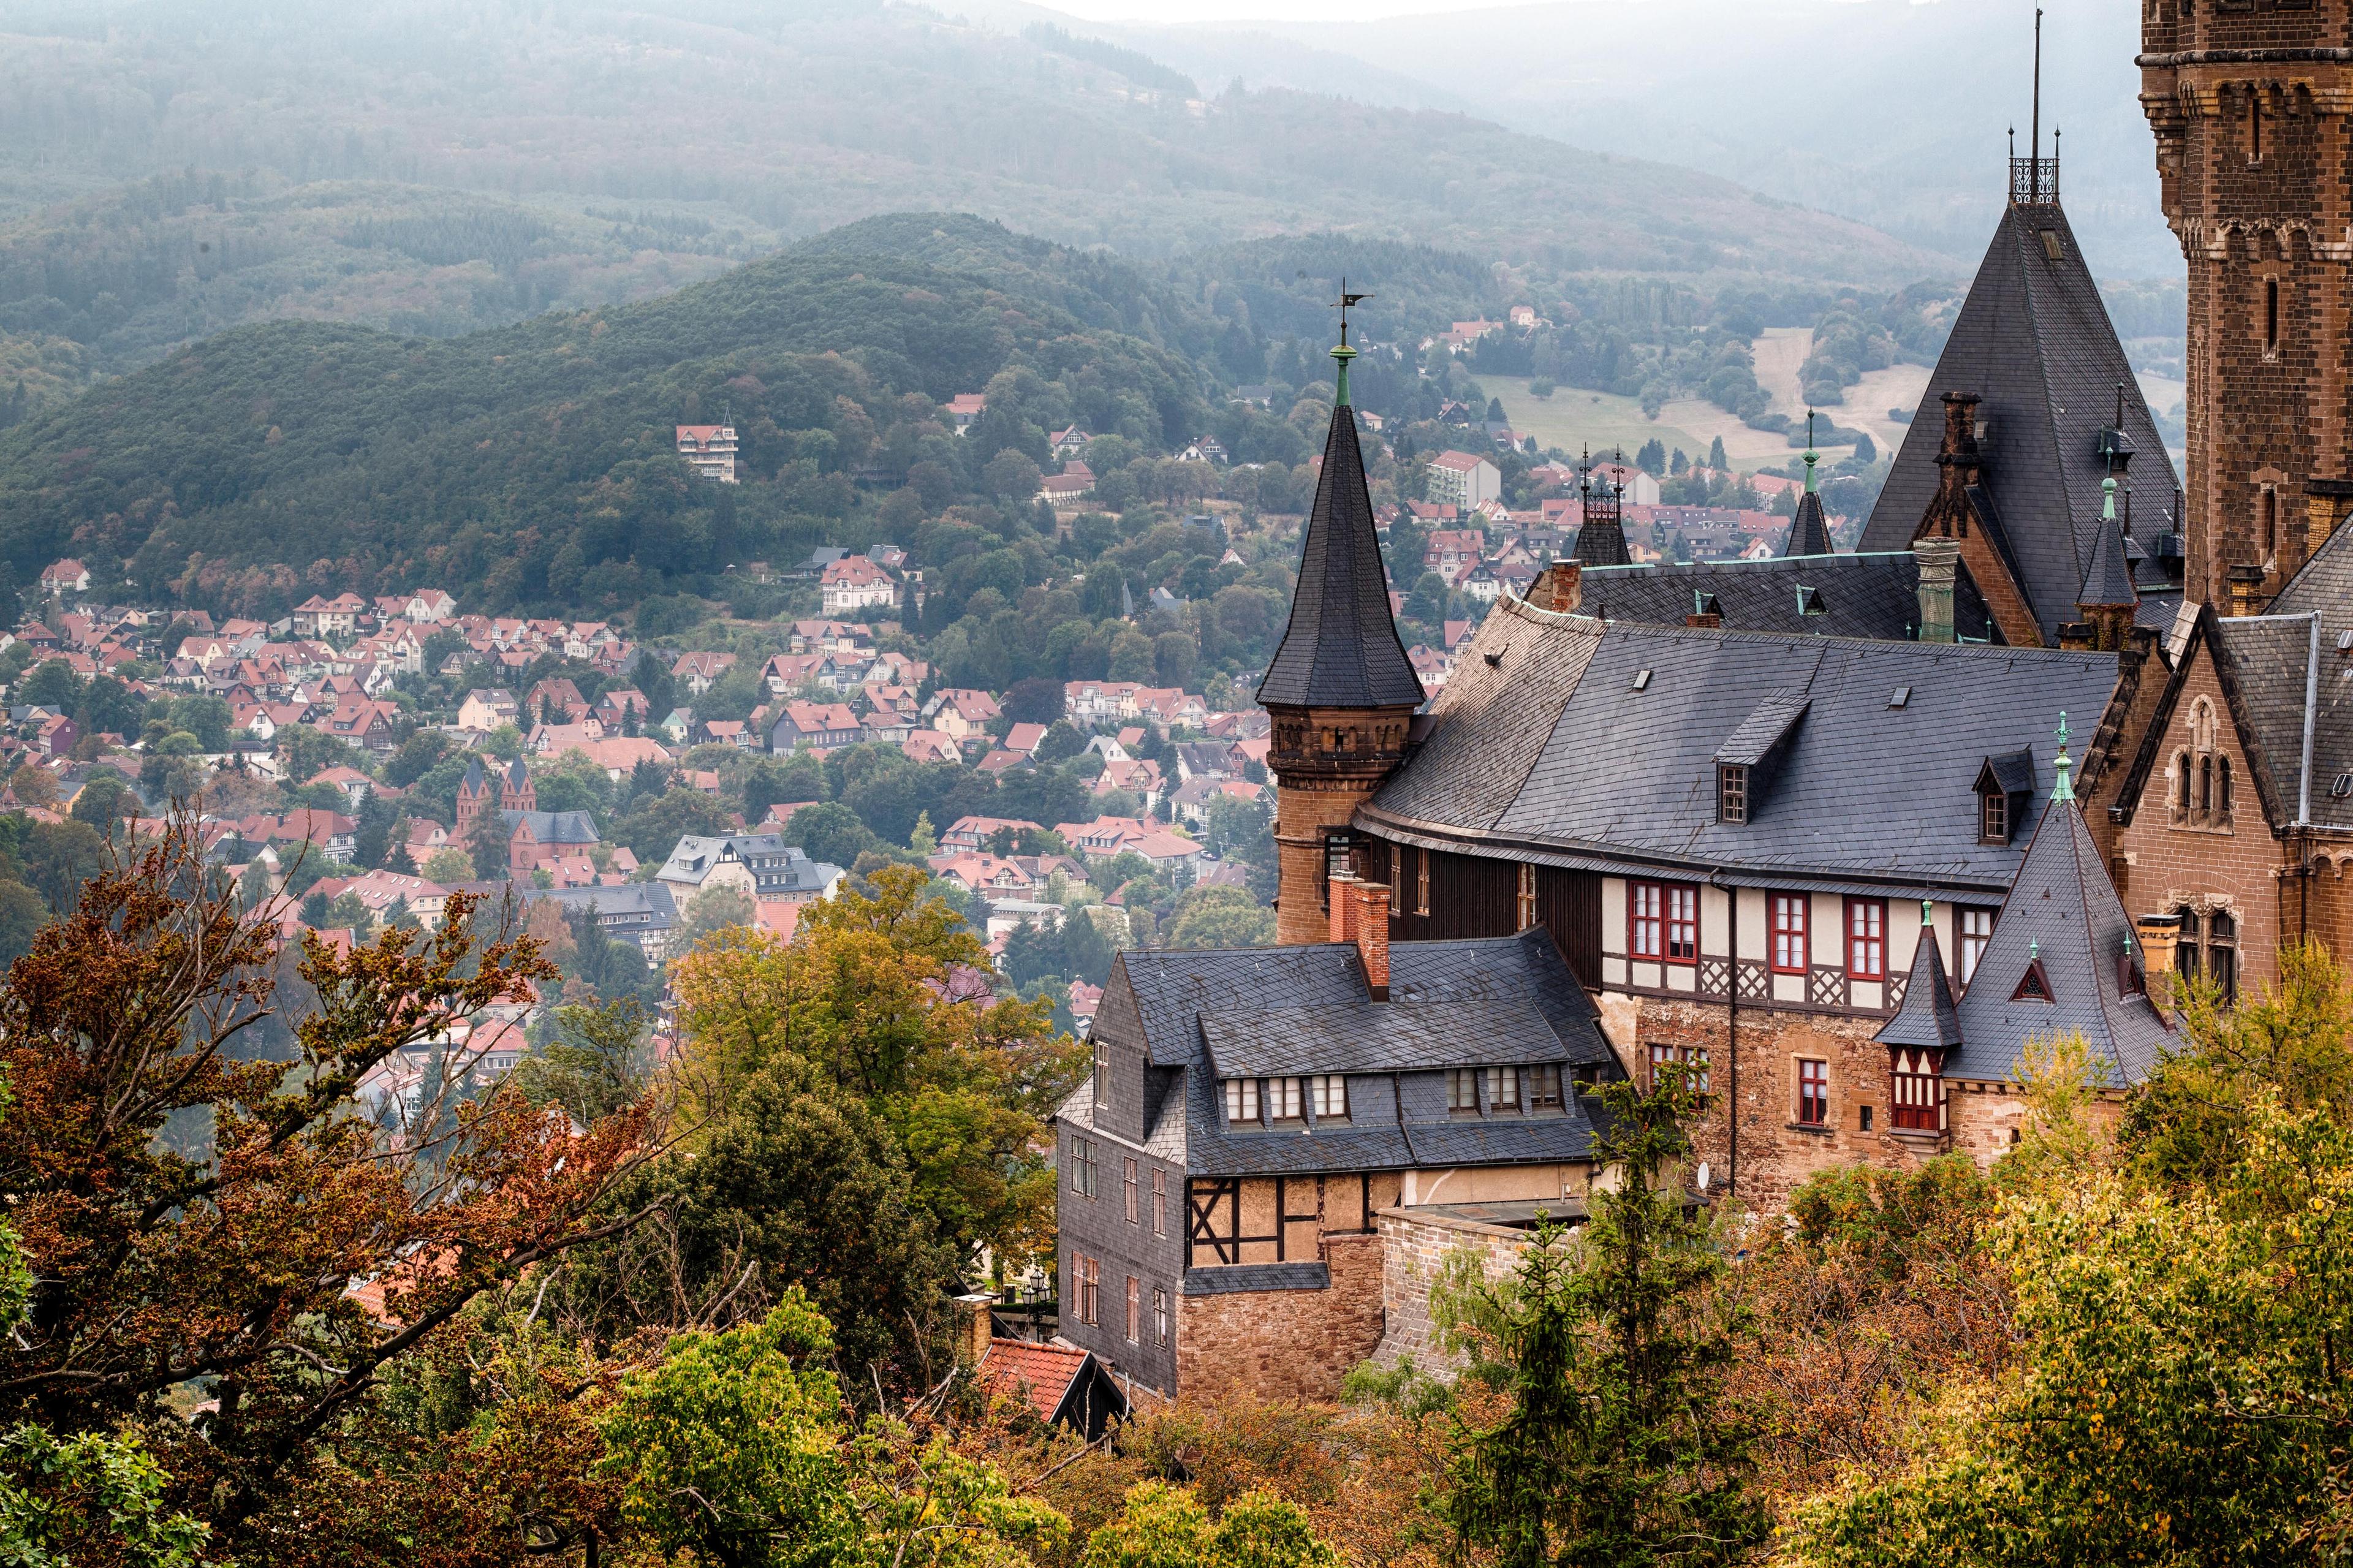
(2004, 783)
(1282, 1100)
(1993, 818)
(1241, 1100)
(1327, 1093)
(1731, 792)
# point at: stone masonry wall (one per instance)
(1416, 1246)
(1285, 1344)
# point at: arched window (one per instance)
(2223, 780)
(2182, 787)
(2205, 787)
(2271, 316)
(2270, 509)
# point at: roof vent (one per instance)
(2345, 640)
(1900, 697)
(2341, 785)
(1809, 601)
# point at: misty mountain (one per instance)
(436, 167)
(1893, 113)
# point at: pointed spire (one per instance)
(1928, 1020)
(1810, 529)
(1341, 649)
(2108, 577)
(2064, 790)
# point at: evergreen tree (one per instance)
(1715, 459)
(1618, 1450)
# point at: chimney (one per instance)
(2158, 935)
(1709, 621)
(1938, 559)
(1369, 923)
(2078, 637)
(1561, 589)
(972, 1327)
(1343, 909)
(2246, 587)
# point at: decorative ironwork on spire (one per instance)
(1344, 353)
(2034, 179)
(2064, 790)
(1601, 531)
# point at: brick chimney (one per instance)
(1561, 589)
(1937, 558)
(1360, 915)
(2158, 935)
(972, 1327)
(1708, 620)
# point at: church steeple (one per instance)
(1809, 530)
(1340, 690)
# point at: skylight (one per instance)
(1642, 681)
(1899, 697)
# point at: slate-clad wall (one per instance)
(1286, 1344)
(1099, 1228)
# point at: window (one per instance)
(1159, 1315)
(1813, 1093)
(1503, 1089)
(1695, 1061)
(2256, 128)
(1789, 933)
(1102, 1073)
(1397, 877)
(1977, 930)
(1866, 938)
(1421, 883)
(2181, 790)
(1544, 1086)
(1993, 817)
(1128, 1182)
(1086, 1278)
(2270, 315)
(1082, 1167)
(2222, 954)
(1462, 1091)
(1646, 920)
(1683, 925)
(2185, 954)
(1282, 1100)
(2269, 510)
(1135, 1309)
(1241, 1100)
(2205, 787)
(1731, 792)
(2223, 791)
(1328, 1094)
(1160, 1203)
(1528, 900)
(1862, 1118)
(1917, 1090)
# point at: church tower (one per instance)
(1340, 690)
(516, 794)
(2253, 107)
(473, 797)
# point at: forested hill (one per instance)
(533, 465)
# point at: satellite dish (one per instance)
(1703, 1175)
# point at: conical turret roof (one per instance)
(2108, 579)
(1927, 1021)
(1809, 530)
(1341, 649)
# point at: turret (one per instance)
(1340, 691)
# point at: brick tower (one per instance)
(1340, 690)
(515, 792)
(474, 794)
(2249, 102)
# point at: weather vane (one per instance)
(1341, 305)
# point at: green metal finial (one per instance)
(1344, 353)
(1928, 913)
(2065, 788)
(1812, 456)
(2108, 500)
(2035, 951)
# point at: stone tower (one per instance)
(1340, 691)
(2249, 102)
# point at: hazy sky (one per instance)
(1180, 12)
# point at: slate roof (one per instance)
(1927, 1020)
(554, 826)
(2108, 577)
(1497, 1001)
(2033, 340)
(1594, 745)
(1873, 595)
(1601, 540)
(1810, 530)
(2063, 913)
(2275, 679)
(1341, 647)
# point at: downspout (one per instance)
(1731, 1028)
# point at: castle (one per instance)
(1841, 836)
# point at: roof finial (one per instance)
(2065, 788)
(1812, 456)
(1344, 353)
(2108, 498)
(1928, 913)
(2034, 134)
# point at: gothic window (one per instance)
(2222, 790)
(2182, 787)
(2255, 128)
(2205, 788)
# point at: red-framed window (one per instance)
(1789, 933)
(1813, 1092)
(1682, 924)
(1866, 938)
(1646, 920)
(1917, 1090)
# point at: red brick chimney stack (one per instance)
(1360, 915)
(1562, 589)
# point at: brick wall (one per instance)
(1285, 1344)
(1415, 1251)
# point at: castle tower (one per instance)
(1340, 690)
(515, 792)
(2254, 157)
(473, 797)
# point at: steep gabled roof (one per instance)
(1926, 1021)
(1809, 530)
(2063, 924)
(2034, 342)
(1341, 649)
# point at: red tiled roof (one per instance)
(1039, 1375)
